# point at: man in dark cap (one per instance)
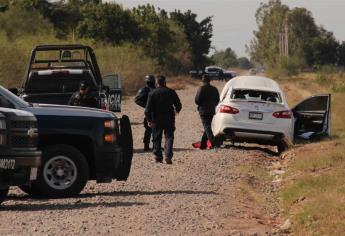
(141, 100)
(207, 98)
(160, 110)
(84, 97)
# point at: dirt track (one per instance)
(198, 195)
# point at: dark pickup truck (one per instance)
(78, 144)
(55, 71)
(19, 158)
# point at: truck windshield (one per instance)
(16, 101)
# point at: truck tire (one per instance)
(126, 143)
(64, 172)
(3, 194)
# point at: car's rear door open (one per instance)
(114, 95)
(313, 117)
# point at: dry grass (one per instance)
(181, 82)
(314, 193)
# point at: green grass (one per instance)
(317, 175)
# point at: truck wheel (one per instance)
(126, 143)
(64, 172)
(3, 194)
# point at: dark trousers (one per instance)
(168, 130)
(147, 134)
(208, 134)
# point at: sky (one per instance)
(234, 20)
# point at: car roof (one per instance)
(254, 83)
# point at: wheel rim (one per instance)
(60, 172)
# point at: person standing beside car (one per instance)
(141, 100)
(84, 97)
(160, 110)
(207, 98)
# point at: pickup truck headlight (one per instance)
(109, 124)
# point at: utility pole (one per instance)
(284, 40)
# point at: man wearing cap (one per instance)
(207, 98)
(83, 97)
(162, 104)
(141, 100)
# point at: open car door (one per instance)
(114, 95)
(313, 117)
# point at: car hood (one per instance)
(16, 112)
(61, 110)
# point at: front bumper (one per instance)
(18, 168)
(108, 159)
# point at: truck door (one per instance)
(313, 117)
(114, 94)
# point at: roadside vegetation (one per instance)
(130, 42)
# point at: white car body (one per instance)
(264, 118)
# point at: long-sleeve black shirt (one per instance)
(161, 105)
(207, 98)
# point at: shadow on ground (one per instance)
(65, 206)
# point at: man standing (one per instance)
(83, 97)
(207, 99)
(160, 110)
(141, 100)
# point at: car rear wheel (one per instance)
(126, 143)
(64, 173)
(3, 194)
(281, 147)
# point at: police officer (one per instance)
(83, 97)
(207, 99)
(160, 110)
(141, 100)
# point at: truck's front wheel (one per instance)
(3, 194)
(64, 172)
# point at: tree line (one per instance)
(309, 45)
(176, 41)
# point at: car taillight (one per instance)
(282, 114)
(228, 109)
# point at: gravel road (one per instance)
(197, 195)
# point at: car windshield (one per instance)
(10, 97)
(256, 95)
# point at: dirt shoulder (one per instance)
(202, 193)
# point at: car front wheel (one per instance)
(64, 172)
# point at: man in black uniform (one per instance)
(141, 100)
(160, 111)
(83, 97)
(207, 99)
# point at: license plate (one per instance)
(255, 115)
(7, 164)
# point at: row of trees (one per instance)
(309, 45)
(228, 58)
(176, 41)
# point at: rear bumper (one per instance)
(256, 136)
(18, 168)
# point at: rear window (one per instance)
(255, 95)
(56, 83)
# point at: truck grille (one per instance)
(23, 134)
(23, 141)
